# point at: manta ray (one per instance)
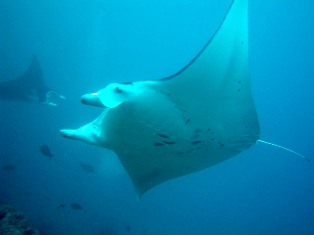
(29, 87)
(200, 116)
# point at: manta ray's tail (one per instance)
(284, 148)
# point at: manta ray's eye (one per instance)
(118, 90)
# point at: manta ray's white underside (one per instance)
(200, 116)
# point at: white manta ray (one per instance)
(194, 119)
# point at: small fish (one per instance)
(88, 168)
(76, 206)
(8, 167)
(45, 150)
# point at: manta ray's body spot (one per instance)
(196, 142)
(239, 88)
(187, 121)
(158, 144)
(163, 135)
(126, 83)
(118, 90)
(169, 142)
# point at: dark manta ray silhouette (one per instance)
(29, 87)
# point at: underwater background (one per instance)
(82, 46)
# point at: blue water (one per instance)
(84, 45)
